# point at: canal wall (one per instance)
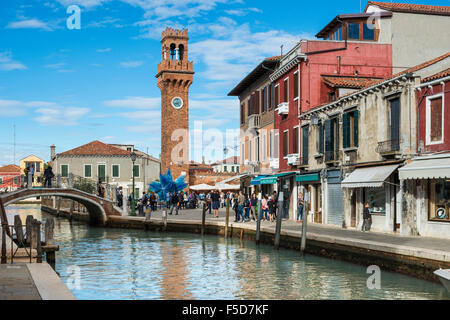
(397, 258)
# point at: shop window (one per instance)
(376, 197)
(439, 200)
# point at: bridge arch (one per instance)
(98, 208)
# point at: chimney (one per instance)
(52, 152)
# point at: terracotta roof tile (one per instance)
(10, 168)
(436, 76)
(96, 148)
(348, 81)
(411, 8)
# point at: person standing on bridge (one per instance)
(48, 174)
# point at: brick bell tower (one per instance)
(174, 76)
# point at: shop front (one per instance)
(310, 182)
(334, 198)
(284, 182)
(377, 186)
(426, 188)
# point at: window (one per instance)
(377, 200)
(295, 144)
(286, 90)
(64, 170)
(101, 172)
(1, 180)
(129, 149)
(242, 113)
(115, 171)
(225, 169)
(264, 99)
(331, 96)
(276, 145)
(319, 137)
(331, 139)
(305, 144)
(271, 96)
(439, 200)
(257, 149)
(277, 95)
(88, 171)
(38, 166)
(394, 129)
(285, 143)
(271, 144)
(296, 85)
(232, 168)
(340, 33)
(264, 147)
(136, 171)
(250, 150)
(368, 32)
(136, 193)
(16, 181)
(350, 129)
(353, 31)
(434, 120)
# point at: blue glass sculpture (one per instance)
(167, 184)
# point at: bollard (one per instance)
(49, 231)
(37, 240)
(305, 222)
(258, 219)
(279, 217)
(227, 216)
(164, 216)
(203, 217)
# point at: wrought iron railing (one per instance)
(388, 146)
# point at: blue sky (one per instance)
(69, 87)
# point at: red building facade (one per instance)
(433, 100)
(10, 177)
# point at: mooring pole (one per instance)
(227, 216)
(279, 217)
(258, 218)
(203, 217)
(3, 261)
(305, 222)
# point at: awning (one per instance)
(225, 186)
(257, 181)
(200, 187)
(274, 178)
(372, 177)
(308, 177)
(235, 178)
(435, 168)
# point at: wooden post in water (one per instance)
(258, 218)
(36, 242)
(227, 216)
(19, 230)
(279, 217)
(29, 229)
(203, 217)
(3, 260)
(164, 216)
(50, 241)
(305, 222)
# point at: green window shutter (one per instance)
(115, 170)
(1, 180)
(87, 171)
(356, 127)
(64, 170)
(345, 130)
(136, 170)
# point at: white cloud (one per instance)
(134, 102)
(131, 64)
(83, 3)
(8, 64)
(105, 22)
(29, 24)
(13, 108)
(104, 50)
(65, 116)
(55, 65)
(242, 12)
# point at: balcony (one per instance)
(389, 147)
(331, 156)
(274, 163)
(283, 108)
(293, 159)
(254, 122)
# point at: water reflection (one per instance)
(133, 264)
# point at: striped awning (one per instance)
(257, 181)
(372, 177)
(435, 168)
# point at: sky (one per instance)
(68, 87)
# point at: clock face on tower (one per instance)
(177, 102)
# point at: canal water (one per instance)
(134, 264)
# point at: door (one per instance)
(102, 172)
(353, 210)
(395, 124)
(335, 204)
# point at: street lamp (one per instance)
(133, 204)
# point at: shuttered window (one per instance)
(115, 171)
(64, 170)
(350, 129)
(136, 170)
(295, 144)
(88, 171)
(436, 119)
(285, 143)
(277, 96)
(305, 144)
(320, 136)
(286, 90)
(395, 124)
(295, 85)
(242, 113)
(271, 96)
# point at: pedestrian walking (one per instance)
(48, 175)
(367, 218)
(215, 199)
(240, 206)
(264, 208)
(174, 203)
(253, 206)
(235, 207)
(247, 205)
(300, 205)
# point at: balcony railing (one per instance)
(331, 155)
(274, 163)
(254, 122)
(390, 146)
(283, 108)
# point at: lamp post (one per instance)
(133, 204)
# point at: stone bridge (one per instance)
(98, 208)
